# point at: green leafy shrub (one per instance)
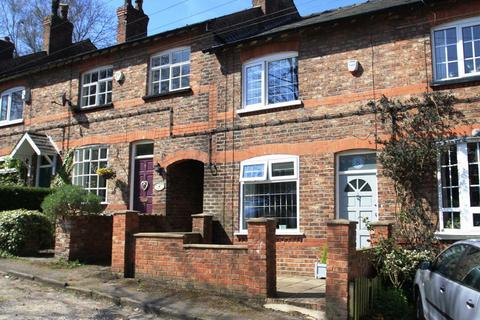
(16, 173)
(397, 264)
(24, 232)
(71, 200)
(392, 304)
(14, 197)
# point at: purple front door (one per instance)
(143, 185)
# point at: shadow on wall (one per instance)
(184, 193)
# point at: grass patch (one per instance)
(6, 255)
(65, 264)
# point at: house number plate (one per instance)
(144, 185)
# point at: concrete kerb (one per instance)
(120, 301)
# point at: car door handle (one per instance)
(442, 289)
(470, 304)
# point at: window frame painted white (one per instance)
(466, 211)
(97, 85)
(268, 160)
(9, 93)
(263, 62)
(170, 65)
(458, 25)
(91, 147)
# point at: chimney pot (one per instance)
(55, 5)
(64, 11)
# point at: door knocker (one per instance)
(144, 185)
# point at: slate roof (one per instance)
(326, 16)
(22, 63)
(43, 142)
(227, 30)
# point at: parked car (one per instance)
(449, 288)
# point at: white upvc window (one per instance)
(270, 82)
(456, 49)
(459, 188)
(97, 87)
(269, 188)
(85, 164)
(170, 71)
(11, 106)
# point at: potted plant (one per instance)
(321, 265)
(107, 173)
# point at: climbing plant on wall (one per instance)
(64, 172)
(409, 147)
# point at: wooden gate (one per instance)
(362, 293)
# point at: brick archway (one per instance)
(183, 155)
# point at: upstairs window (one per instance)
(11, 106)
(269, 189)
(170, 71)
(97, 87)
(456, 50)
(270, 81)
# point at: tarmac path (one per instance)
(23, 299)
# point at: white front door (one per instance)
(357, 197)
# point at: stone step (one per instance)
(317, 304)
(306, 312)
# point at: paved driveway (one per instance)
(23, 299)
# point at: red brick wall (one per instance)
(240, 270)
(84, 238)
(395, 56)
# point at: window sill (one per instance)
(463, 80)
(167, 94)
(295, 233)
(457, 235)
(94, 108)
(11, 123)
(269, 107)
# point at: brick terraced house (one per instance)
(253, 114)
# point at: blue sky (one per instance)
(170, 14)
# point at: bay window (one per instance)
(270, 82)
(269, 189)
(459, 192)
(85, 164)
(11, 106)
(97, 87)
(170, 71)
(456, 49)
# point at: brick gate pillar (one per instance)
(380, 230)
(262, 257)
(341, 241)
(202, 223)
(125, 225)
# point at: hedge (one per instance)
(12, 197)
(24, 232)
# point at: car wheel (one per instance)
(418, 306)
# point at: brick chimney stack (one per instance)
(6, 49)
(132, 21)
(273, 6)
(57, 31)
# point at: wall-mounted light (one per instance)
(160, 170)
(352, 66)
